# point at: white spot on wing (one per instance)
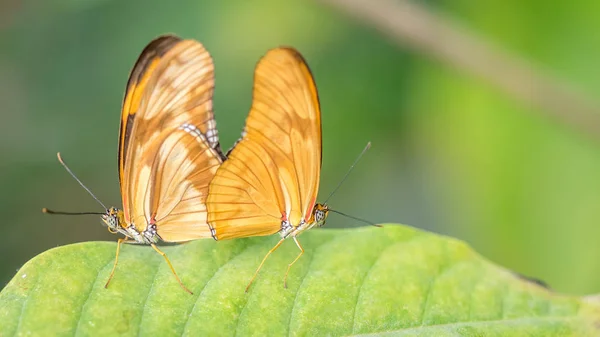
(192, 130)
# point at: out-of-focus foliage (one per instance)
(450, 153)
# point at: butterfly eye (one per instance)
(111, 220)
(320, 217)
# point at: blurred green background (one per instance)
(451, 153)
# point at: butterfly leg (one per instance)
(112, 272)
(172, 269)
(291, 264)
(263, 262)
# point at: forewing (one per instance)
(272, 174)
(167, 127)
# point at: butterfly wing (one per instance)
(272, 174)
(168, 147)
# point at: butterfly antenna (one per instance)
(349, 170)
(62, 162)
(49, 211)
(355, 218)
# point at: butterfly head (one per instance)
(320, 213)
(113, 218)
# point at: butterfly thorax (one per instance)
(115, 221)
(317, 219)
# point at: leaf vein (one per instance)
(187, 321)
(304, 278)
(441, 270)
(90, 294)
(24, 307)
(363, 281)
(147, 297)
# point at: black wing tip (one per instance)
(161, 44)
(158, 47)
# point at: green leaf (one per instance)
(394, 280)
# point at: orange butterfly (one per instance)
(178, 186)
(270, 180)
(168, 147)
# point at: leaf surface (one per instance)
(394, 280)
